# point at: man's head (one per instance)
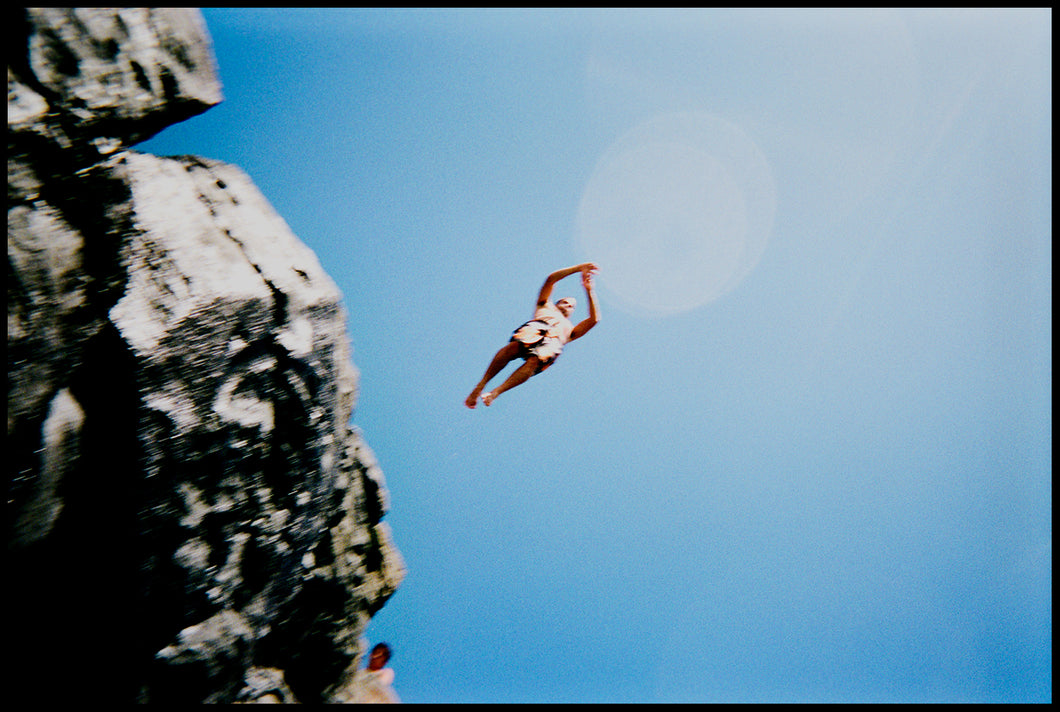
(379, 657)
(566, 305)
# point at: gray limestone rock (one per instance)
(190, 515)
(102, 78)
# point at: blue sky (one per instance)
(806, 456)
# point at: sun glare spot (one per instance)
(677, 213)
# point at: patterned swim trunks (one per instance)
(538, 339)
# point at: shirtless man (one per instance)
(541, 340)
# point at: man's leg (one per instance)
(501, 359)
(518, 376)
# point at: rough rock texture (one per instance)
(190, 517)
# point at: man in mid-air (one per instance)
(540, 341)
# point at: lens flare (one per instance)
(677, 213)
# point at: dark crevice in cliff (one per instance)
(97, 205)
(301, 642)
(79, 586)
(19, 30)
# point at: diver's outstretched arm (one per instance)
(594, 310)
(550, 281)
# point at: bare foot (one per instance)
(487, 398)
(472, 400)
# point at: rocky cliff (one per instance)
(190, 515)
